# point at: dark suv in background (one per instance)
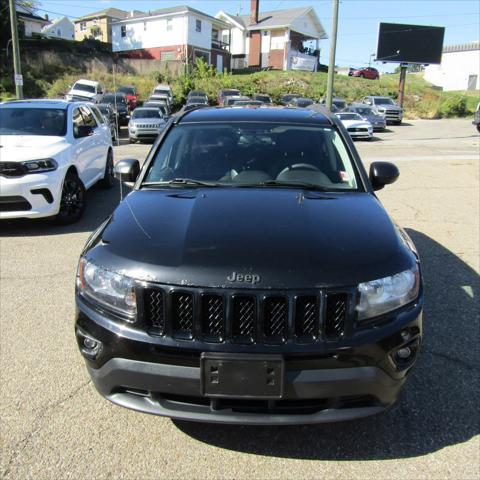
(252, 276)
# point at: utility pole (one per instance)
(401, 83)
(16, 50)
(333, 47)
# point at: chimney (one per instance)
(46, 17)
(254, 5)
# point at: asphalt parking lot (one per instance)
(54, 425)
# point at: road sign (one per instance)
(19, 80)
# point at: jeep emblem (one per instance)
(244, 278)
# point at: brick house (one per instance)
(180, 34)
(281, 39)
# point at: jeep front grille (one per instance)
(245, 317)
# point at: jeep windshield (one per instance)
(33, 121)
(384, 101)
(253, 155)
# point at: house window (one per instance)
(83, 26)
(59, 32)
(204, 55)
(198, 25)
(225, 37)
(167, 56)
(169, 25)
(123, 31)
(144, 26)
(265, 33)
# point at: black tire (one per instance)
(72, 202)
(131, 140)
(478, 127)
(108, 180)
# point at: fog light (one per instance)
(404, 353)
(90, 343)
(405, 334)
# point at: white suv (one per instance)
(50, 152)
(85, 90)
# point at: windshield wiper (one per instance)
(180, 182)
(293, 183)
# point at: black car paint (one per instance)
(196, 237)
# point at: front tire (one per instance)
(72, 202)
(108, 180)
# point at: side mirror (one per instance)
(127, 170)
(383, 173)
(83, 131)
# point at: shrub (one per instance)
(454, 106)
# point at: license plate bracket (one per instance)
(242, 375)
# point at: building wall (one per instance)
(454, 71)
(278, 45)
(170, 52)
(61, 29)
(30, 26)
(156, 32)
(103, 24)
(255, 44)
(202, 39)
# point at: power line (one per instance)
(375, 33)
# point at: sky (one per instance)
(357, 27)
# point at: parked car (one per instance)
(385, 106)
(197, 93)
(262, 97)
(118, 102)
(377, 120)
(197, 100)
(161, 106)
(251, 276)
(107, 111)
(231, 99)
(476, 119)
(339, 103)
(248, 103)
(288, 97)
(366, 72)
(145, 124)
(161, 100)
(52, 151)
(103, 121)
(131, 95)
(164, 89)
(85, 91)
(300, 102)
(356, 126)
(227, 92)
(193, 106)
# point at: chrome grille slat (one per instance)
(275, 319)
(307, 317)
(213, 316)
(182, 313)
(244, 318)
(335, 315)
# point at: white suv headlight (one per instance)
(381, 296)
(40, 166)
(112, 290)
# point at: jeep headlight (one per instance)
(40, 166)
(112, 290)
(386, 294)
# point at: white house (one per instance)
(459, 70)
(178, 33)
(60, 28)
(280, 39)
(29, 23)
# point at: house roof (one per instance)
(464, 47)
(107, 12)
(276, 19)
(173, 10)
(31, 16)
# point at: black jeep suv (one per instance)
(251, 276)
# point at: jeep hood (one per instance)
(290, 238)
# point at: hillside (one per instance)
(422, 99)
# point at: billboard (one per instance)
(400, 43)
(303, 63)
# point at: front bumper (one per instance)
(140, 134)
(324, 384)
(33, 188)
(361, 135)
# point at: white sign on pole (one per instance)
(303, 63)
(19, 80)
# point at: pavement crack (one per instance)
(22, 444)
